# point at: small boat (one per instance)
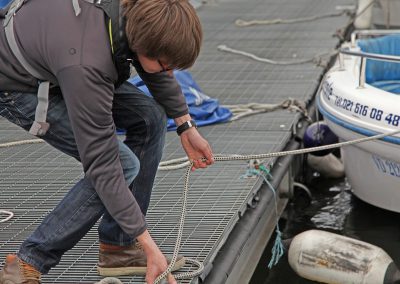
(360, 97)
(4, 3)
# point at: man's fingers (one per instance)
(210, 161)
(199, 163)
(208, 155)
(171, 279)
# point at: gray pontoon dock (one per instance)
(229, 219)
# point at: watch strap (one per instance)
(185, 126)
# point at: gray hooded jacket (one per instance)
(74, 53)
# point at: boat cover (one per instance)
(3, 3)
(203, 109)
(381, 74)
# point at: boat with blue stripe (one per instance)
(360, 97)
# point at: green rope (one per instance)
(277, 249)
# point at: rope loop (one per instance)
(9, 213)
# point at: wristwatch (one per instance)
(185, 126)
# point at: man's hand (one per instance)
(196, 148)
(156, 262)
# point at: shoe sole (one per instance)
(133, 270)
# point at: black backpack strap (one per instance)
(119, 44)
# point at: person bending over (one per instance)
(84, 52)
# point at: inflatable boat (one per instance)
(360, 97)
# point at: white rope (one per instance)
(183, 162)
(185, 275)
(243, 23)
(109, 280)
(11, 144)
(180, 163)
(243, 157)
(9, 213)
(242, 110)
(316, 59)
(22, 142)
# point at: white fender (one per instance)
(335, 259)
(328, 166)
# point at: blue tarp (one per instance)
(3, 3)
(203, 109)
(381, 74)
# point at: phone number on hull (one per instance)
(360, 109)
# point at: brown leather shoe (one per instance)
(130, 260)
(16, 271)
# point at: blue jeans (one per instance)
(145, 124)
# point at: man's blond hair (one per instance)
(164, 29)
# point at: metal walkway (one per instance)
(33, 178)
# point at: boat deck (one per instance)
(33, 178)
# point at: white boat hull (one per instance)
(373, 168)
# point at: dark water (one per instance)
(332, 208)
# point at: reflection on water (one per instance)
(333, 208)
(333, 214)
